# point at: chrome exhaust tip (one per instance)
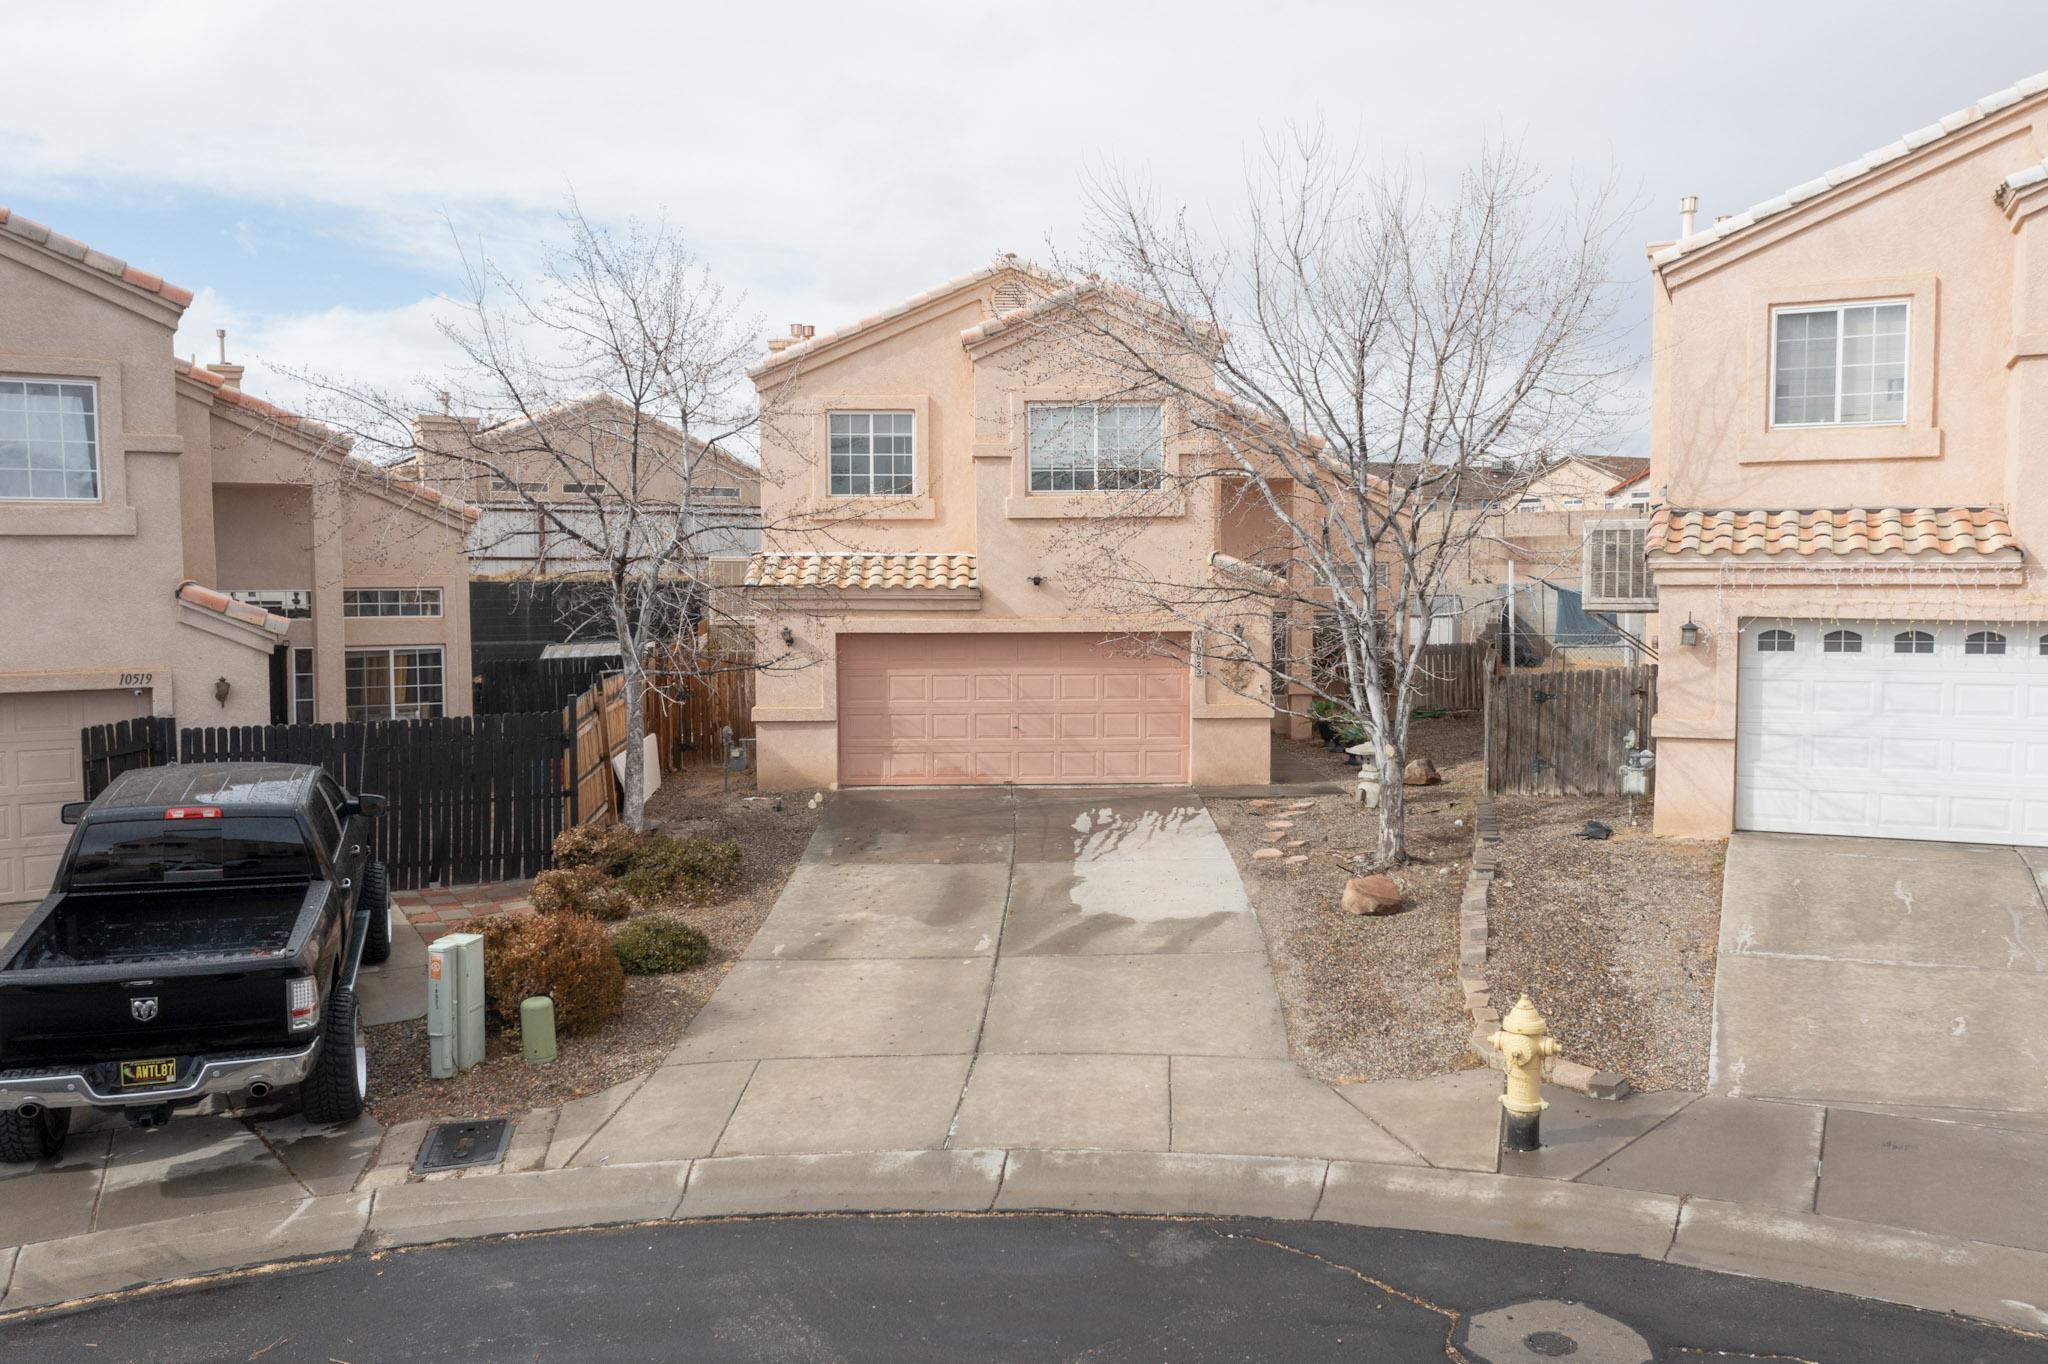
(30, 1110)
(260, 1089)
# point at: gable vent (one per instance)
(1010, 296)
(1618, 567)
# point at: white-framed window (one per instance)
(1529, 504)
(302, 686)
(1775, 642)
(1988, 642)
(49, 440)
(1841, 642)
(733, 494)
(394, 684)
(362, 603)
(1096, 447)
(1913, 642)
(1570, 503)
(507, 485)
(871, 454)
(293, 603)
(1843, 365)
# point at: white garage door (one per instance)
(39, 771)
(1894, 729)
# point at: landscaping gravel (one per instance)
(1374, 997)
(772, 833)
(1613, 939)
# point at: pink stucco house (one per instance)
(1851, 489)
(172, 545)
(930, 481)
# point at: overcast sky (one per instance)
(299, 165)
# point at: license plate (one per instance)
(138, 1073)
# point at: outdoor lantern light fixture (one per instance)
(221, 690)
(788, 635)
(1689, 633)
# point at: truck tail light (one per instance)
(193, 812)
(302, 1002)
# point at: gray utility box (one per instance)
(455, 1003)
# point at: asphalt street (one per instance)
(998, 1288)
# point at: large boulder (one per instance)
(1371, 895)
(1420, 772)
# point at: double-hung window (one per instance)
(1095, 447)
(1839, 366)
(393, 684)
(49, 441)
(871, 453)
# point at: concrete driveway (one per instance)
(998, 968)
(1875, 971)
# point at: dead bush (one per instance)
(567, 957)
(608, 847)
(580, 890)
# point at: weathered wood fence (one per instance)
(1563, 732)
(106, 751)
(508, 686)
(471, 798)
(1452, 676)
(688, 713)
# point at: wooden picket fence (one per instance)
(106, 751)
(1452, 676)
(1563, 732)
(688, 712)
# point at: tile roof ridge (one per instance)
(40, 234)
(195, 593)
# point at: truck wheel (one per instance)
(340, 1081)
(34, 1138)
(377, 898)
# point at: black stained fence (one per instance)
(106, 751)
(470, 798)
(1565, 731)
(510, 685)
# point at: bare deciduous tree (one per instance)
(618, 376)
(1376, 360)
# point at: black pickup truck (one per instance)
(202, 938)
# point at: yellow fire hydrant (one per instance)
(1524, 1040)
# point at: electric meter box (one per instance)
(455, 1003)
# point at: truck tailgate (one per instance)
(171, 1014)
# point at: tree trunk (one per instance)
(633, 806)
(1392, 850)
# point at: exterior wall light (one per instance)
(788, 635)
(1689, 634)
(221, 690)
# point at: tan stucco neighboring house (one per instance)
(171, 546)
(922, 557)
(1849, 409)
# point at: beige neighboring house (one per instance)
(1850, 401)
(922, 556)
(170, 545)
(566, 457)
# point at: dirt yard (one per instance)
(1613, 939)
(1371, 998)
(772, 833)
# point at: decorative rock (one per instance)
(1370, 895)
(1265, 854)
(1274, 836)
(1302, 805)
(1295, 843)
(1261, 804)
(1420, 772)
(1279, 824)
(1294, 861)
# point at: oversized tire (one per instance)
(36, 1138)
(340, 1082)
(377, 899)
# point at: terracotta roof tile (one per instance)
(197, 594)
(1862, 165)
(30, 230)
(935, 572)
(1843, 531)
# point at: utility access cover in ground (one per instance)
(456, 1145)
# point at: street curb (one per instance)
(1997, 1284)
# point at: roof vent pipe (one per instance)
(1688, 208)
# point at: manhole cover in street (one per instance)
(455, 1145)
(1550, 1343)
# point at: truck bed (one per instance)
(157, 926)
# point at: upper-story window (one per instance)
(872, 453)
(49, 441)
(293, 603)
(732, 494)
(1573, 503)
(1839, 366)
(362, 602)
(1095, 447)
(1529, 504)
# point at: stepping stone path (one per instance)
(1296, 843)
(1279, 824)
(1302, 805)
(1294, 861)
(1275, 836)
(1265, 854)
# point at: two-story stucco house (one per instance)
(170, 545)
(929, 485)
(1849, 413)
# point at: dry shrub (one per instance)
(607, 847)
(567, 957)
(697, 870)
(580, 890)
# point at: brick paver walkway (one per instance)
(450, 909)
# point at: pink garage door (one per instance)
(955, 710)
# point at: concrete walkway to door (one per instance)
(997, 968)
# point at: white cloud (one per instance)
(396, 350)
